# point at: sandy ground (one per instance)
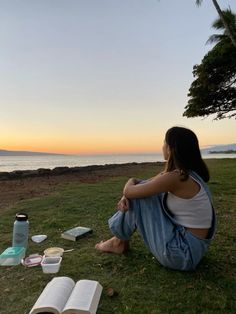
(15, 190)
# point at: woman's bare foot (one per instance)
(113, 245)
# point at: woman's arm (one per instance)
(164, 182)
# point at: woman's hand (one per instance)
(132, 181)
(123, 204)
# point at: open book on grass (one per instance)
(63, 296)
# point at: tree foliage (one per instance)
(214, 89)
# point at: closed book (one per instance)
(76, 233)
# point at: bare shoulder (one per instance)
(170, 179)
(170, 175)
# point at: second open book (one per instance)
(63, 296)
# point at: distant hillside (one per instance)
(219, 148)
(24, 153)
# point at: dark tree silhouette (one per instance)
(214, 89)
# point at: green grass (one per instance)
(142, 284)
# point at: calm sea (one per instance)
(11, 163)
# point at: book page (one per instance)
(84, 298)
(54, 296)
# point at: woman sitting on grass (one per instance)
(172, 211)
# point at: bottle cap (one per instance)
(21, 217)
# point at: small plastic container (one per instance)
(33, 260)
(54, 251)
(12, 256)
(51, 265)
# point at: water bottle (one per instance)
(21, 230)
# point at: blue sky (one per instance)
(83, 76)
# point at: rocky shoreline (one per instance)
(43, 172)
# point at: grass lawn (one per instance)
(142, 284)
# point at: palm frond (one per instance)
(218, 24)
(215, 38)
(230, 19)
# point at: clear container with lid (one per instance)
(12, 256)
(51, 265)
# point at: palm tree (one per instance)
(218, 24)
(228, 31)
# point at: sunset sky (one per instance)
(102, 76)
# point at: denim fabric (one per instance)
(170, 243)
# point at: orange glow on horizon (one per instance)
(93, 145)
(83, 146)
(91, 149)
(83, 151)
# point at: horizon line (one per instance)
(204, 147)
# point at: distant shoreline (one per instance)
(8, 153)
(223, 152)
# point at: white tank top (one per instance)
(195, 212)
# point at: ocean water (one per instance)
(11, 163)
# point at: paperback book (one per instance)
(76, 233)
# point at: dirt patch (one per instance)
(18, 189)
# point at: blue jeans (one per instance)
(172, 245)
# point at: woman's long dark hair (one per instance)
(185, 154)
